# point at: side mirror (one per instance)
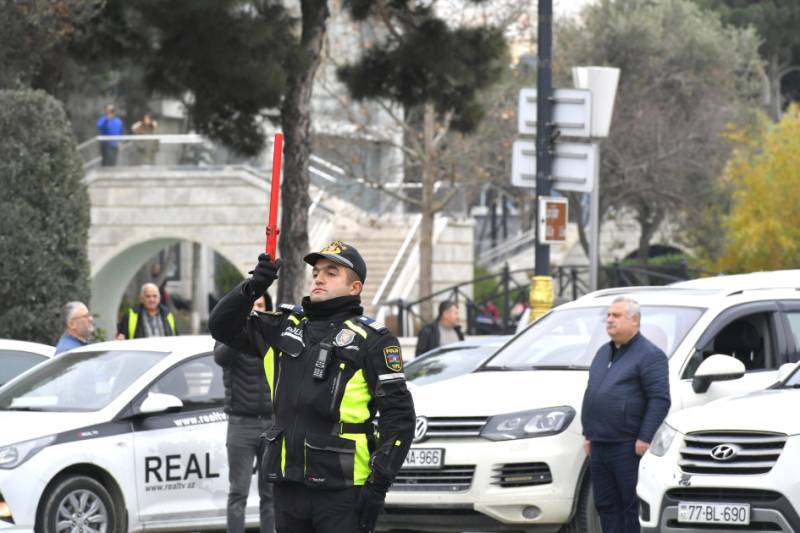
(718, 367)
(784, 370)
(160, 403)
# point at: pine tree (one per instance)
(45, 209)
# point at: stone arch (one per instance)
(112, 272)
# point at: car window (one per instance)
(747, 338)
(14, 362)
(446, 364)
(572, 337)
(197, 383)
(793, 318)
(84, 381)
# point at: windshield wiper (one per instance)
(495, 368)
(20, 408)
(556, 367)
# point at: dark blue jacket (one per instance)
(628, 399)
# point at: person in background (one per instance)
(249, 407)
(445, 329)
(109, 124)
(146, 150)
(148, 319)
(78, 327)
(626, 399)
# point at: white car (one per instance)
(119, 436)
(730, 464)
(501, 448)
(18, 356)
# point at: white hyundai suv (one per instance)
(501, 448)
(731, 464)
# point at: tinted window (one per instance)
(446, 364)
(794, 325)
(13, 363)
(571, 337)
(197, 383)
(86, 381)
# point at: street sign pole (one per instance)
(543, 111)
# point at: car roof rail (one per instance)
(734, 292)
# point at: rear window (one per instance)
(14, 362)
(570, 338)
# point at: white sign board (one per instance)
(572, 112)
(573, 166)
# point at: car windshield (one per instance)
(570, 338)
(76, 382)
(447, 363)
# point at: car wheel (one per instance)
(586, 519)
(80, 504)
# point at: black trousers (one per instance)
(615, 470)
(300, 509)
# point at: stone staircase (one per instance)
(378, 239)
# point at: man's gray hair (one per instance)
(69, 309)
(149, 285)
(631, 306)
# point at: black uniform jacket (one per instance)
(324, 433)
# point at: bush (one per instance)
(45, 210)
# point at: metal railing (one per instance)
(512, 289)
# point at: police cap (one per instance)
(342, 254)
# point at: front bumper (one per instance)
(20, 490)
(774, 497)
(485, 502)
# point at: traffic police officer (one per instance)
(329, 369)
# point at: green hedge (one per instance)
(44, 210)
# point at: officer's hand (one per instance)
(369, 506)
(264, 274)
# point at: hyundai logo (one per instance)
(724, 452)
(420, 429)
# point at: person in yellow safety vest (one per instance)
(329, 370)
(148, 319)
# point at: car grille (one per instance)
(449, 479)
(754, 453)
(708, 494)
(521, 475)
(454, 427)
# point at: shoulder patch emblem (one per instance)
(344, 337)
(394, 361)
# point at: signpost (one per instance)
(552, 219)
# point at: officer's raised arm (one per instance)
(230, 321)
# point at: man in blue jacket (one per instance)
(626, 399)
(109, 124)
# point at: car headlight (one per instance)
(527, 424)
(15, 454)
(662, 440)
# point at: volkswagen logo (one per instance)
(724, 452)
(420, 429)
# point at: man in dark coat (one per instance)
(444, 330)
(249, 409)
(626, 399)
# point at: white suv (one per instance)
(730, 464)
(501, 448)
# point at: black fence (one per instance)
(498, 311)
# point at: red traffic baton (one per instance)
(272, 225)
